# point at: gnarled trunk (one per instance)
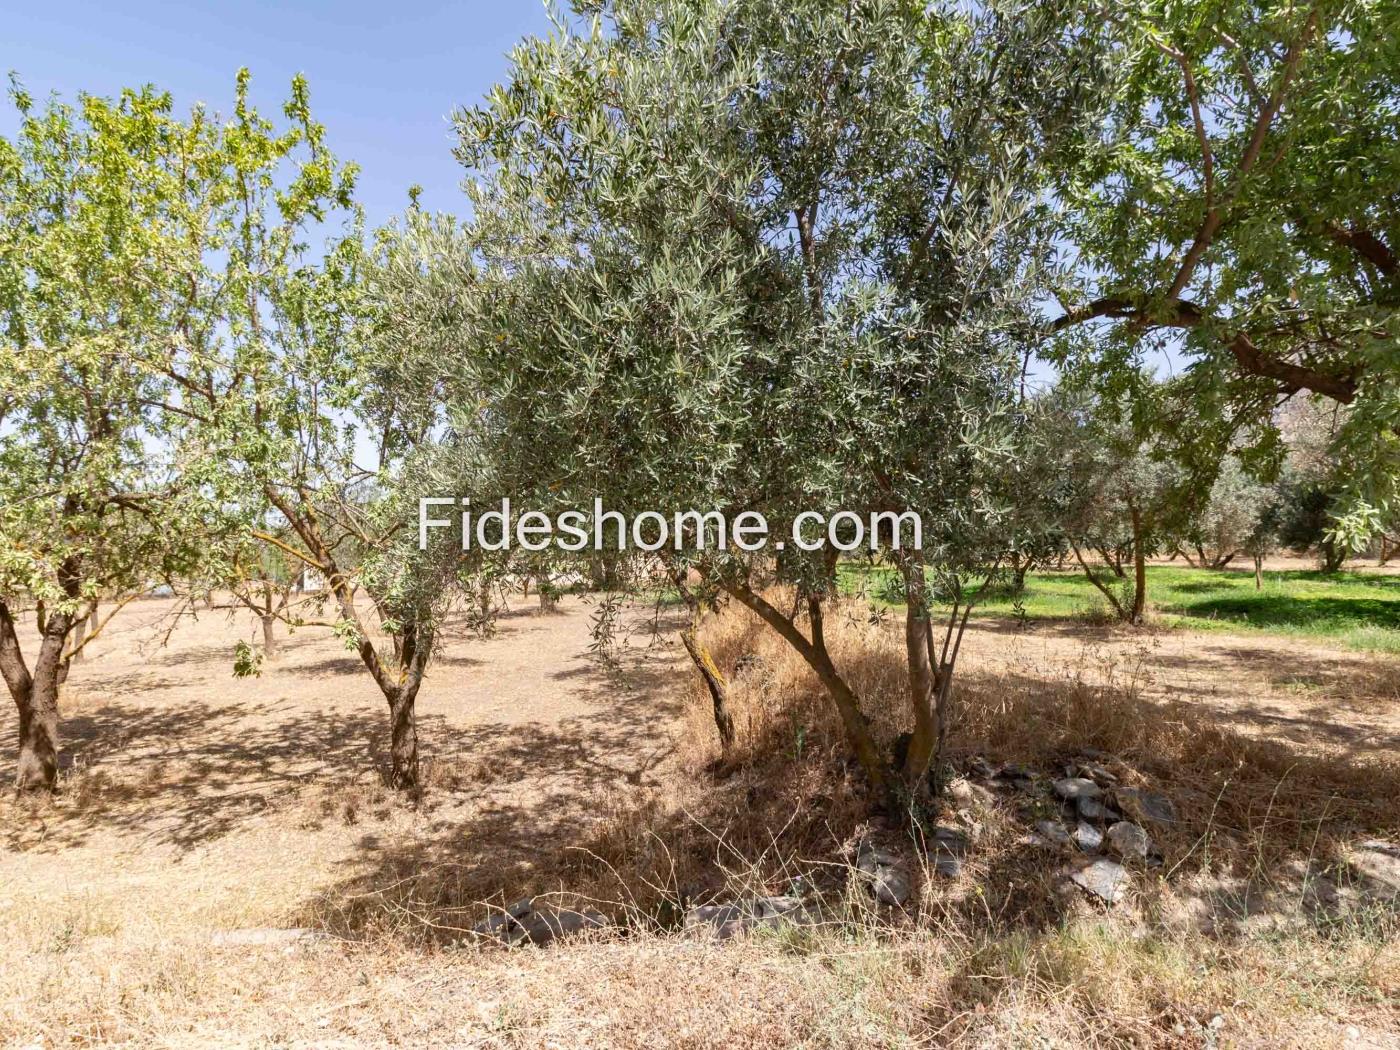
(37, 769)
(1332, 555)
(818, 658)
(714, 682)
(403, 738)
(36, 697)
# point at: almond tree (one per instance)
(99, 279)
(1240, 210)
(292, 399)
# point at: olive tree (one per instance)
(763, 256)
(1233, 520)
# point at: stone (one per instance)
(1092, 809)
(1128, 840)
(949, 865)
(1096, 773)
(890, 886)
(1145, 806)
(982, 768)
(1104, 878)
(546, 925)
(1087, 837)
(967, 795)
(884, 873)
(946, 848)
(949, 839)
(729, 920)
(870, 857)
(1077, 788)
(1053, 833)
(265, 936)
(525, 921)
(1378, 865)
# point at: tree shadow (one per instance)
(205, 769)
(1263, 609)
(779, 815)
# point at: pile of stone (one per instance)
(1102, 824)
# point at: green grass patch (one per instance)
(1346, 608)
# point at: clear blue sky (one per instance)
(383, 76)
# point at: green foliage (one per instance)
(100, 262)
(1239, 210)
(1357, 610)
(247, 661)
(1239, 517)
(760, 257)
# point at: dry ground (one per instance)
(195, 803)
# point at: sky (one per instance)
(384, 76)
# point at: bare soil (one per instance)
(196, 803)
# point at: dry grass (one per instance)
(1255, 917)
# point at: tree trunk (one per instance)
(79, 634)
(1103, 589)
(714, 682)
(269, 624)
(818, 658)
(1139, 567)
(38, 734)
(1258, 572)
(1333, 555)
(922, 679)
(548, 600)
(403, 738)
(36, 698)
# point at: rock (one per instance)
(1104, 878)
(261, 936)
(1128, 840)
(1053, 833)
(1077, 788)
(1087, 837)
(870, 856)
(1091, 809)
(950, 839)
(884, 872)
(967, 795)
(984, 769)
(500, 924)
(1145, 806)
(542, 927)
(1378, 865)
(1096, 773)
(728, 920)
(890, 886)
(947, 846)
(525, 921)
